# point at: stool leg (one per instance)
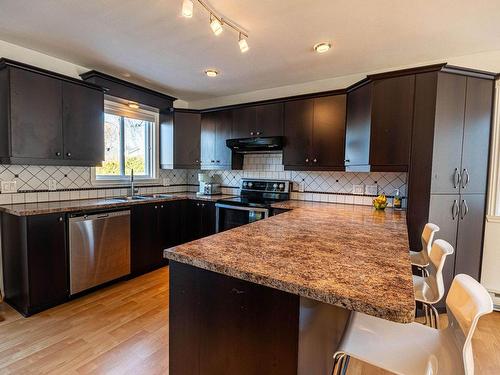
(345, 365)
(338, 363)
(426, 312)
(436, 316)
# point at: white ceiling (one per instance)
(162, 50)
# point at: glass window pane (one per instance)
(136, 146)
(111, 164)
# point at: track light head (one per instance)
(187, 8)
(215, 25)
(243, 44)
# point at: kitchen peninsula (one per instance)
(274, 296)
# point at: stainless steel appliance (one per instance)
(209, 188)
(254, 203)
(99, 248)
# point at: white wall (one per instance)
(41, 60)
(489, 61)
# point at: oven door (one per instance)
(229, 216)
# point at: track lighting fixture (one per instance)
(243, 44)
(217, 23)
(187, 8)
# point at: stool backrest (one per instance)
(428, 236)
(439, 251)
(466, 302)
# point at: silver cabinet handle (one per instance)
(455, 209)
(466, 179)
(315, 160)
(456, 179)
(464, 210)
(307, 160)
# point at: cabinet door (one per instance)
(187, 140)
(223, 124)
(170, 224)
(269, 120)
(476, 139)
(208, 124)
(244, 122)
(329, 131)
(144, 237)
(83, 123)
(192, 221)
(444, 212)
(357, 145)
(47, 260)
(470, 235)
(448, 133)
(36, 116)
(392, 118)
(208, 219)
(298, 132)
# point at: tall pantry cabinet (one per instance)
(450, 153)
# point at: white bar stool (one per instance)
(420, 258)
(414, 348)
(429, 290)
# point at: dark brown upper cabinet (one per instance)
(83, 112)
(315, 133)
(357, 143)
(180, 140)
(49, 119)
(391, 123)
(215, 130)
(264, 120)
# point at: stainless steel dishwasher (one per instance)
(99, 248)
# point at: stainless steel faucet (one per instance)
(132, 188)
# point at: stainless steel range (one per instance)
(254, 202)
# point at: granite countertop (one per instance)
(345, 255)
(40, 208)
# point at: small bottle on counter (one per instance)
(396, 201)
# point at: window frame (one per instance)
(493, 209)
(119, 107)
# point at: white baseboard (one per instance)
(496, 300)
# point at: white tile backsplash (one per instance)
(75, 182)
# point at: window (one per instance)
(130, 144)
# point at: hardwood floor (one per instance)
(123, 329)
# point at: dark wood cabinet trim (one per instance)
(4, 62)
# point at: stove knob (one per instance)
(245, 184)
(275, 186)
(282, 186)
(250, 184)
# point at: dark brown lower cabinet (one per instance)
(154, 228)
(222, 325)
(461, 222)
(199, 220)
(34, 261)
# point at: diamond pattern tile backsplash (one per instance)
(75, 182)
(270, 166)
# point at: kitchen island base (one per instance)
(224, 325)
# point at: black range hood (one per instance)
(255, 145)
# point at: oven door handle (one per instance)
(241, 208)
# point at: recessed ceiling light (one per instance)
(133, 105)
(211, 73)
(322, 47)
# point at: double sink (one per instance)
(135, 198)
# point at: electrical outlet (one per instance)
(371, 189)
(9, 186)
(358, 189)
(52, 184)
